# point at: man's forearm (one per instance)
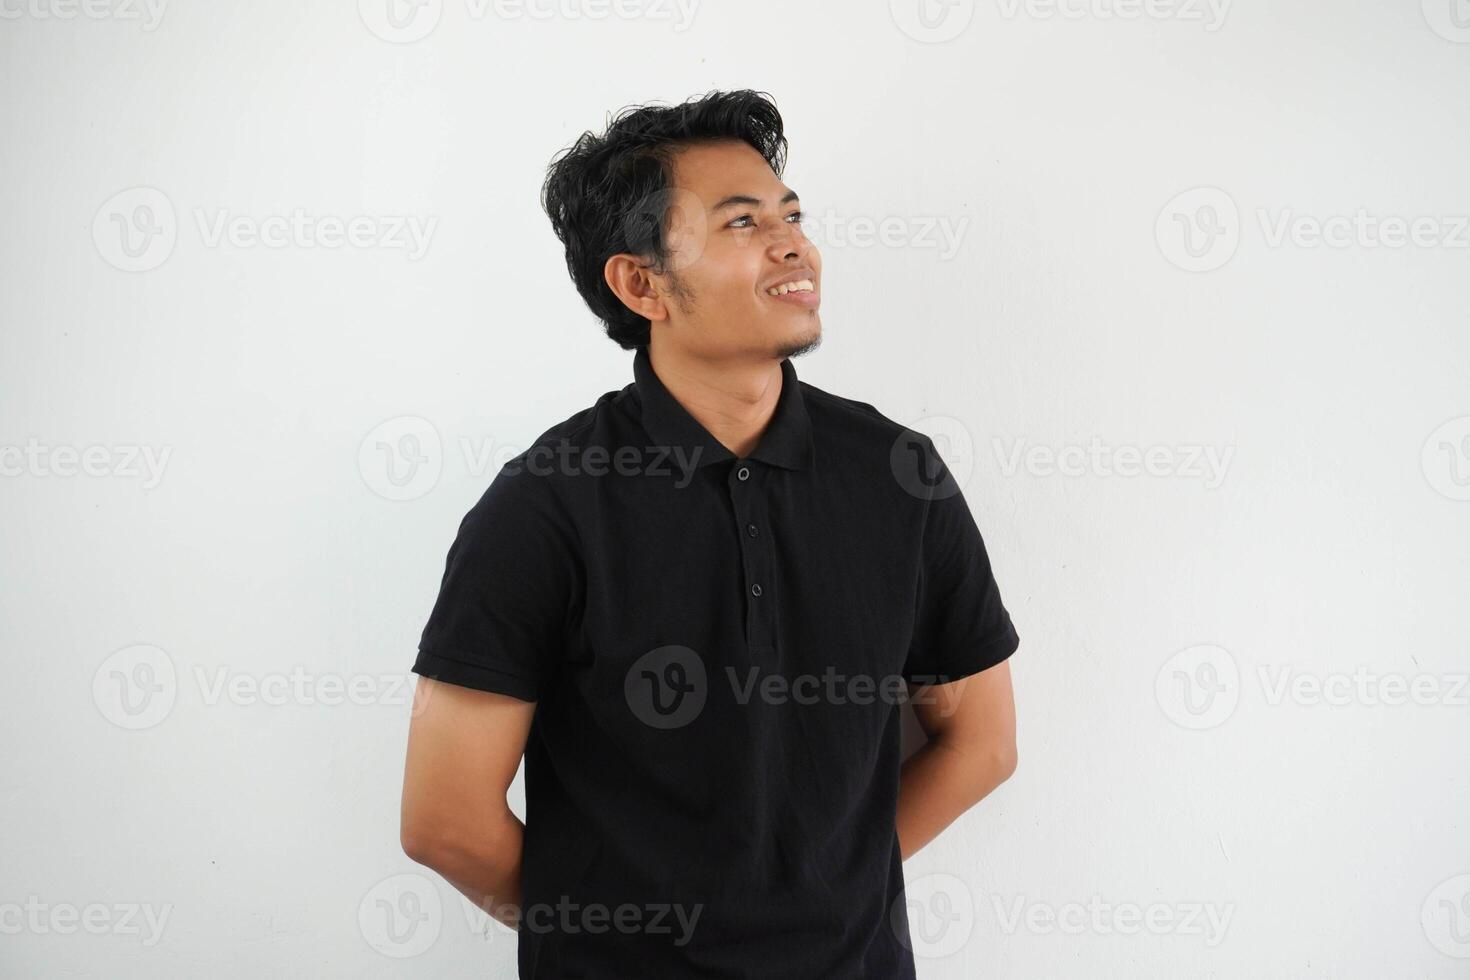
(486, 869)
(941, 781)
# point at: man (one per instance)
(697, 607)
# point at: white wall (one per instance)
(1166, 776)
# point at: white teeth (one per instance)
(800, 285)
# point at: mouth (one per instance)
(801, 292)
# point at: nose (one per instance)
(787, 241)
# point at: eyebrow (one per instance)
(736, 199)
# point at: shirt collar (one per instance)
(787, 441)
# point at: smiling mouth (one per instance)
(799, 286)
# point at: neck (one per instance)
(733, 398)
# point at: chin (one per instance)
(800, 342)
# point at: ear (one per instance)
(636, 285)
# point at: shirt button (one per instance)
(755, 589)
(743, 473)
(752, 530)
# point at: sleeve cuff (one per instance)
(971, 661)
(453, 671)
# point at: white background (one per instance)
(1165, 774)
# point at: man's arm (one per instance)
(971, 724)
(464, 747)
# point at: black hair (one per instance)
(608, 194)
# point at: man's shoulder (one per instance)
(600, 424)
(860, 418)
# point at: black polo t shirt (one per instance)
(718, 648)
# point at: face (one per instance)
(734, 233)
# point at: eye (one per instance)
(795, 217)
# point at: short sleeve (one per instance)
(499, 622)
(961, 627)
